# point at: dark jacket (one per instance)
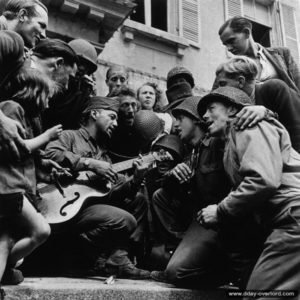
(277, 96)
(66, 107)
(285, 66)
(209, 184)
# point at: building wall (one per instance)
(151, 60)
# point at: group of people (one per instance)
(218, 203)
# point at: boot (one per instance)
(12, 276)
(119, 264)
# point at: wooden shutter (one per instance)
(249, 9)
(289, 30)
(234, 8)
(189, 20)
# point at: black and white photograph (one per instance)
(149, 149)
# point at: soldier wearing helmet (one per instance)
(180, 82)
(73, 101)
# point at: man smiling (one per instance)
(29, 18)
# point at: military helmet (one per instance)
(225, 94)
(85, 50)
(180, 71)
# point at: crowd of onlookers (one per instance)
(202, 192)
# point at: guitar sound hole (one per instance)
(69, 202)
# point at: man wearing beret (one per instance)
(74, 100)
(106, 227)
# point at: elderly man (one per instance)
(106, 226)
(73, 101)
(273, 94)
(56, 59)
(29, 18)
(236, 35)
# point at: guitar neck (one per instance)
(126, 165)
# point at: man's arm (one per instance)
(60, 151)
(292, 67)
(42, 139)
(260, 170)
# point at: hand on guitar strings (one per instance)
(104, 170)
(140, 169)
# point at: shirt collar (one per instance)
(86, 135)
(206, 140)
(260, 54)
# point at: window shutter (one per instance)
(289, 30)
(189, 19)
(234, 8)
(249, 9)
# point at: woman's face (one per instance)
(216, 117)
(147, 97)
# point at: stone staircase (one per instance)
(95, 288)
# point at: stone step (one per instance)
(92, 288)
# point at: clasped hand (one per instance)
(181, 172)
(207, 216)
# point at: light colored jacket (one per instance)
(264, 170)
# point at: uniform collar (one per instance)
(85, 134)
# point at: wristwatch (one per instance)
(87, 162)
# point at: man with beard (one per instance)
(73, 101)
(105, 227)
(56, 59)
(53, 57)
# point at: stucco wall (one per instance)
(151, 60)
(156, 58)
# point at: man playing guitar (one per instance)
(108, 224)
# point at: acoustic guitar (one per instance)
(61, 201)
